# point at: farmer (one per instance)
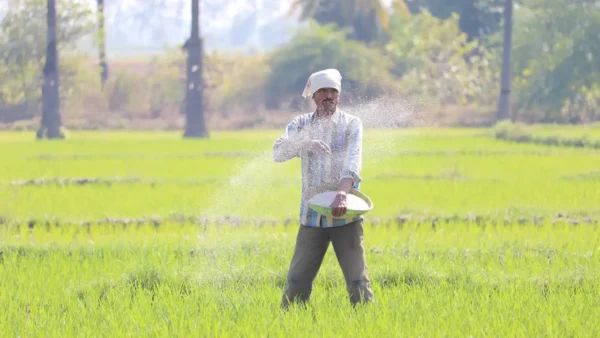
(329, 144)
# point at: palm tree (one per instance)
(102, 43)
(194, 108)
(51, 119)
(504, 109)
(365, 17)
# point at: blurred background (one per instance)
(145, 64)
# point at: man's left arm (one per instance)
(352, 166)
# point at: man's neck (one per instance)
(325, 114)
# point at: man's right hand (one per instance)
(318, 147)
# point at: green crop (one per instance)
(122, 234)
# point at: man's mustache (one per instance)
(327, 100)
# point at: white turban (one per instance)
(328, 78)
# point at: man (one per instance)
(329, 143)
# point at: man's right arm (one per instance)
(289, 145)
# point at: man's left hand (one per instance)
(339, 204)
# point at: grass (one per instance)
(470, 236)
(413, 172)
(551, 135)
(456, 280)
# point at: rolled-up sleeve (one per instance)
(288, 145)
(353, 161)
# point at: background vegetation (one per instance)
(444, 55)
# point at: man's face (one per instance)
(326, 100)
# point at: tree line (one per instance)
(532, 60)
(51, 121)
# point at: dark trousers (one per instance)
(311, 246)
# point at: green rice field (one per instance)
(146, 234)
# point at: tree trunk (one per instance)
(504, 109)
(365, 26)
(469, 19)
(102, 43)
(51, 120)
(194, 108)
